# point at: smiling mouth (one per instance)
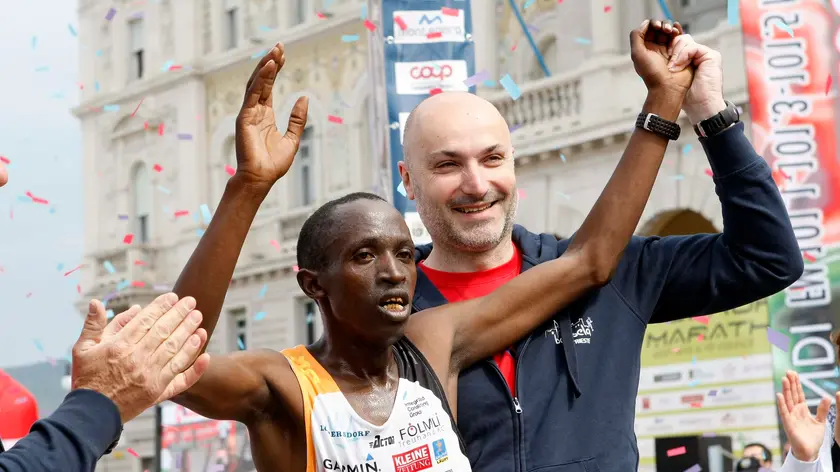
(475, 209)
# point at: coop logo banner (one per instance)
(428, 26)
(419, 78)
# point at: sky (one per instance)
(39, 59)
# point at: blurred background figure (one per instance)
(761, 453)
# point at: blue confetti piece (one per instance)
(564, 195)
(678, 177)
(109, 267)
(24, 199)
(72, 30)
(732, 13)
(42, 69)
(583, 41)
(666, 11)
(96, 85)
(784, 27)
(167, 65)
(401, 189)
(98, 53)
(122, 217)
(110, 15)
(52, 210)
(205, 213)
(686, 149)
(263, 291)
(528, 4)
(266, 29)
(58, 95)
(38, 345)
(694, 359)
(510, 87)
(60, 267)
(199, 232)
(562, 157)
(363, 16)
(240, 344)
(123, 285)
(164, 190)
(260, 54)
(185, 136)
(111, 108)
(259, 316)
(109, 314)
(694, 383)
(349, 38)
(34, 42)
(489, 83)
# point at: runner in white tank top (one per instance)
(418, 435)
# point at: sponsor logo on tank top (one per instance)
(415, 407)
(381, 441)
(369, 466)
(354, 435)
(439, 447)
(413, 460)
(421, 430)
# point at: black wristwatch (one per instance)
(721, 121)
(658, 125)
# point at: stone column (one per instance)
(606, 27)
(485, 36)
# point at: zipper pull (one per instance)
(516, 405)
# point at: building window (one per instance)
(147, 463)
(300, 11)
(141, 188)
(135, 28)
(309, 313)
(305, 168)
(685, 3)
(239, 322)
(232, 23)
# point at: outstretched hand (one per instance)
(805, 431)
(263, 154)
(651, 48)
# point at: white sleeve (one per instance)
(822, 464)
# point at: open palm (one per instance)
(263, 153)
(805, 431)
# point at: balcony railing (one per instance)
(129, 266)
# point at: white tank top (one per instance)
(418, 436)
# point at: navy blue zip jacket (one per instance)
(72, 439)
(577, 375)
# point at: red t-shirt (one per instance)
(458, 286)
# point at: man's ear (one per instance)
(406, 179)
(308, 282)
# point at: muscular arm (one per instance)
(484, 326)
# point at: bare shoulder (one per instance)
(276, 370)
(431, 332)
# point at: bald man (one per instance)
(563, 398)
(4, 177)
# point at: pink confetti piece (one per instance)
(704, 319)
(434, 35)
(157, 168)
(29, 295)
(133, 452)
(138, 284)
(321, 16)
(5, 160)
(607, 9)
(74, 270)
(160, 129)
(449, 11)
(296, 268)
(138, 262)
(335, 119)
(709, 172)
(370, 26)
(696, 405)
(828, 84)
(181, 213)
(677, 451)
(399, 21)
(128, 238)
(514, 47)
(230, 170)
(79, 289)
(808, 257)
(137, 107)
(275, 244)
(520, 193)
(435, 91)
(701, 337)
(176, 67)
(36, 199)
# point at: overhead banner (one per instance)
(193, 443)
(428, 50)
(791, 49)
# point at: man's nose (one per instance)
(473, 180)
(391, 270)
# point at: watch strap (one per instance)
(658, 125)
(714, 125)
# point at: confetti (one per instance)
(167, 65)
(510, 87)
(709, 173)
(5, 160)
(138, 262)
(263, 291)
(453, 11)
(70, 271)
(123, 285)
(157, 168)
(122, 217)
(321, 16)
(230, 170)
(435, 35)
(296, 268)
(399, 21)
(520, 193)
(34, 42)
(704, 319)
(784, 27)
(401, 189)
(275, 244)
(828, 84)
(138, 284)
(38, 345)
(205, 213)
(607, 9)
(259, 316)
(128, 238)
(562, 157)
(110, 15)
(182, 136)
(335, 119)
(678, 177)
(808, 257)
(435, 91)
(780, 340)
(477, 78)
(701, 337)
(110, 108)
(677, 451)
(695, 467)
(349, 38)
(732, 14)
(833, 386)
(160, 129)
(164, 190)
(240, 344)
(696, 405)
(583, 41)
(686, 149)
(693, 383)
(528, 4)
(370, 26)
(72, 30)
(364, 14)
(132, 452)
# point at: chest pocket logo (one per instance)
(581, 331)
